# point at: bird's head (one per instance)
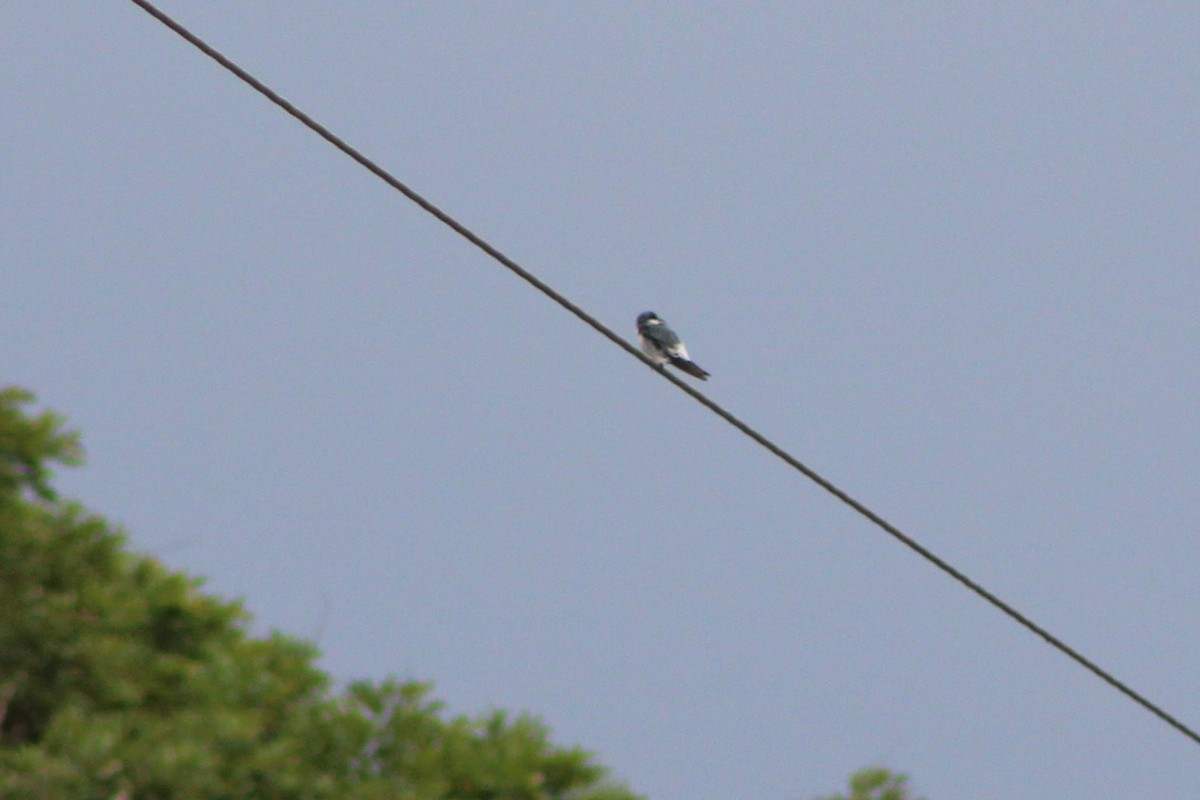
(648, 318)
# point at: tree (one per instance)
(120, 679)
(876, 783)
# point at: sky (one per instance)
(945, 254)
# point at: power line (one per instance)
(604, 330)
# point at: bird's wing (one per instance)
(664, 337)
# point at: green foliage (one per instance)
(121, 680)
(28, 445)
(876, 783)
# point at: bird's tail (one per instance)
(690, 367)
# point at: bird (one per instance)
(663, 347)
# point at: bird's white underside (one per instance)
(655, 353)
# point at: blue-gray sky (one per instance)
(947, 254)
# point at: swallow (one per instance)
(663, 347)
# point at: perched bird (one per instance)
(663, 347)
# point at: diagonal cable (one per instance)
(607, 332)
